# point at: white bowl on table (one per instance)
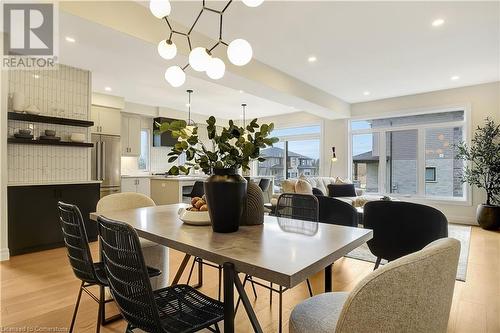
(194, 217)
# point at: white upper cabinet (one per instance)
(106, 120)
(131, 135)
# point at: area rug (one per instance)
(460, 232)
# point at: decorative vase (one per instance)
(253, 213)
(226, 193)
(488, 216)
(18, 101)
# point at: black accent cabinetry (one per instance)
(34, 219)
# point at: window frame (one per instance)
(466, 199)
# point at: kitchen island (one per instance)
(170, 190)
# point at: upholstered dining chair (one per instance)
(90, 273)
(411, 294)
(156, 255)
(400, 228)
(335, 211)
(198, 190)
(174, 309)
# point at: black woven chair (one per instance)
(335, 211)
(401, 228)
(178, 308)
(80, 258)
(341, 190)
(294, 206)
(264, 184)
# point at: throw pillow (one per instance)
(339, 180)
(288, 186)
(303, 187)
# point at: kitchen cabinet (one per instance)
(33, 217)
(131, 135)
(137, 185)
(106, 120)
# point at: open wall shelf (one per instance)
(49, 120)
(50, 143)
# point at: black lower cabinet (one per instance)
(34, 218)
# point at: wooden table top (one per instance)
(283, 251)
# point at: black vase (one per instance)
(225, 192)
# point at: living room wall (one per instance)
(483, 101)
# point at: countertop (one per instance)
(169, 178)
(69, 182)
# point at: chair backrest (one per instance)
(123, 201)
(298, 206)
(341, 190)
(401, 228)
(264, 184)
(411, 294)
(127, 274)
(198, 189)
(76, 241)
(335, 211)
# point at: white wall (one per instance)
(483, 100)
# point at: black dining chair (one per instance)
(401, 228)
(90, 273)
(197, 191)
(303, 207)
(173, 309)
(336, 211)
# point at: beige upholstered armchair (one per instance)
(155, 255)
(410, 294)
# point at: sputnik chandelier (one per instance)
(239, 51)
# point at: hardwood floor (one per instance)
(39, 290)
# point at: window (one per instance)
(297, 153)
(409, 155)
(430, 174)
(143, 160)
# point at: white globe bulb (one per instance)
(160, 8)
(199, 59)
(216, 69)
(167, 49)
(175, 76)
(239, 52)
(253, 3)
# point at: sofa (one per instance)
(319, 186)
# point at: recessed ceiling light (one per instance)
(36, 76)
(312, 59)
(241, 91)
(437, 22)
(366, 93)
(70, 39)
(455, 77)
(107, 88)
(188, 105)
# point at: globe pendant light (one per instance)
(175, 76)
(167, 49)
(252, 3)
(239, 52)
(216, 68)
(199, 59)
(160, 8)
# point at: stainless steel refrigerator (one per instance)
(106, 159)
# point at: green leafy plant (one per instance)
(234, 147)
(483, 155)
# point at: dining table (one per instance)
(281, 250)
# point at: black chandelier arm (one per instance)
(224, 9)
(186, 66)
(196, 21)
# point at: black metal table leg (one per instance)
(183, 265)
(328, 279)
(229, 277)
(248, 307)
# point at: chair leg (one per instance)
(200, 273)
(217, 328)
(191, 271)
(129, 329)
(76, 309)
(253, 287)
(310, 288)
(377, 263)
(271, 294)
(100, 309)
(280, 310)
(220, 282)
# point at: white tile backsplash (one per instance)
(59, 93)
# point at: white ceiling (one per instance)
(133, 69)
(387, 48)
